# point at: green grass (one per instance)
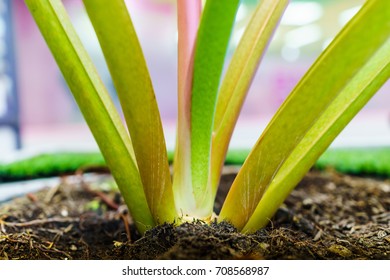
(359, 161)
(370, 161)
(47, 165)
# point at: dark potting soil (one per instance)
(328, 216)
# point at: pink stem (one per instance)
(188, 13)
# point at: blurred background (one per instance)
(38, 114)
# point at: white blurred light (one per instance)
(3, 49)
(2, 28)
(326, 43)
(176, 38)
(237, 36)
(86, 32)
(302, 36)
(242, 13)
(290, 54)
(3, 8)
(346, 15)
(3, 103)
(8, 140)
(301, 13)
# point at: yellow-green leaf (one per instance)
(129, 72)
(95, 104)
(333, 72)
(339, 113)
(239, 75)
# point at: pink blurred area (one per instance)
(43, 100)
(44, 97)
(49, 116)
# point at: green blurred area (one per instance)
(48, 165)
(358, 161)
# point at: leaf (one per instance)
(95, 104)
(211, 45)
(131, 78)
(238, 78)
(339, 113)
(314, 94)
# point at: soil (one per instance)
(328, 216)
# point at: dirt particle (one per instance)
(118, 244)
(64, 213)
(73, 247)
(264, 246)
(330, 186)
(318, 235)
(340, 250)
(385, 188)
(382, 234)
